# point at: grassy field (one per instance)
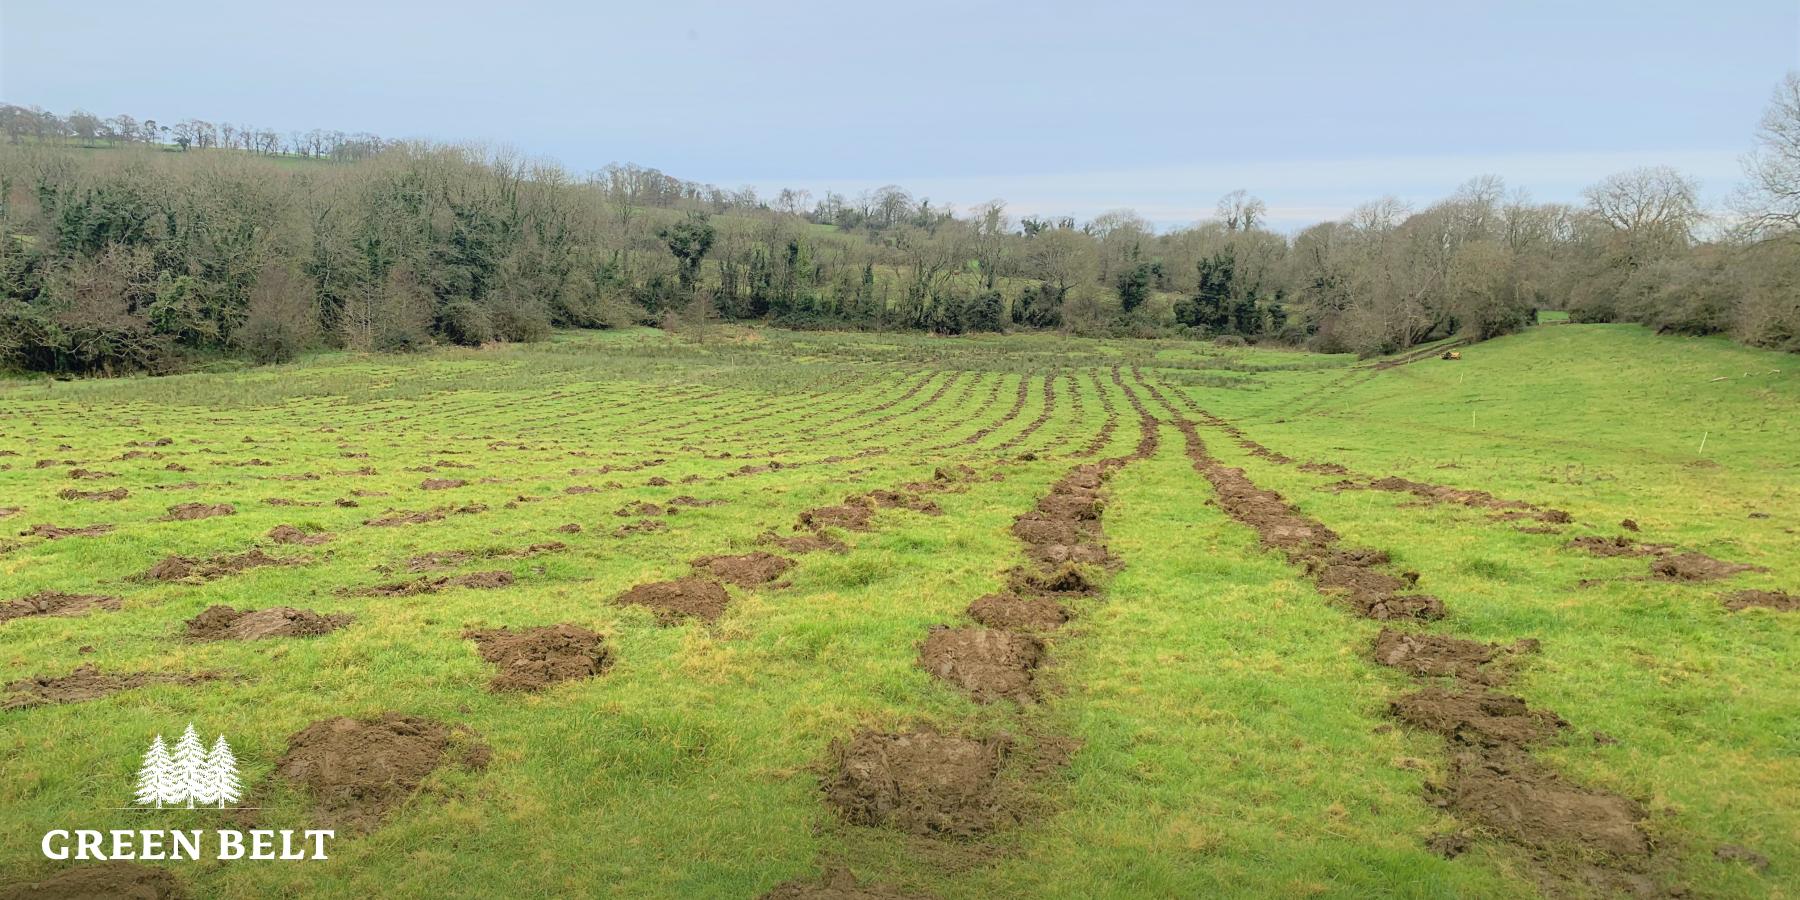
(1226, 727)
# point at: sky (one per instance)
(1058, 109)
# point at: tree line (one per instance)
(130, 254)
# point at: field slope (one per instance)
(629, 615)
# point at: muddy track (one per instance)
(1506, 510)
(1577, 837)
(949, 783)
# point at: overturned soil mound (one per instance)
(441, 484)
(54, 532)
(101, 881)
(683, 598)
(55, 603)
(641, 526)
(86, 683)
(402, 517)
(288, 534)
(1022, 613)
(920, 782)
(222, 623)
(1512, 793)
(848, 517)
(177, 568)
(482, 580)
(1422, 655)
(114, 494)
(187, 512)
(837, 884)
(356, 771)
(532, 659)
(1476, 716)
(988, 664)
(1697, 567)
(805, 543)
(1777, 600)
(1620, 545)
(747, 570)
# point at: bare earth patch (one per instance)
(1776, 600)
(223, 623)
(922, 782)
(288, 534)
(745, 570)
(187, 512)
(357, 770)
(1025, 613)
(100, 881)
(55, 603)
(87, 683)
(177, 568)
(532, 659)
(683, 598)
(986, 663)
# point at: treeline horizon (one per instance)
(147, 254)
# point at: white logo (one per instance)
(192, 774)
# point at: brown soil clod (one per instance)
(401, 517)
(1697, 567)
(114, 494)
(101, 881)
(358, 770)
(922, 782)
(441, 484)
(847, 516)
(638, 508)
(532, 659)
(1476, 716)
(223, 623)
(1510, 792)
(427, 585)
(177, 568)
(288, 534)
(1434, 655)
(1597, 545)
(441, 559)
(87, 683)
(836, 884)
(1781, 601)
(1066, 578)
(187, 512)
(1016, 612)
(55, 603)
(55, 532)
(745, 570)
(641, 526)
(804, 543)
(989, 664)
(683, 598)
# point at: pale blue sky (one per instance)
(1072, 108)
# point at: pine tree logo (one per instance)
(191, 774)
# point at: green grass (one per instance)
(1228, 716)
